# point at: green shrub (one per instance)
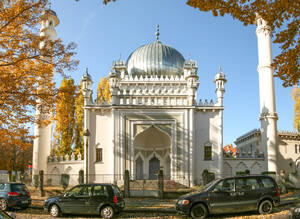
(81, 177)
(207, 176)
(64, 180)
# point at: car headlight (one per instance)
(183, 202)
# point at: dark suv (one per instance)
(230, 195)
(14, 194)
(103, 199)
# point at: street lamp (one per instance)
(86, 134)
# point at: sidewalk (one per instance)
(166, 205)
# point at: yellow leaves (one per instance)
(296, 98)
(65, 116)
(103, 91)
(283, 18)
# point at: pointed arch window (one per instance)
(99, 154)
(208, 151)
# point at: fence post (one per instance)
(126, 184)
(41, 173)
(160, 181)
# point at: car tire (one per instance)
(199, 211)
(107, 212)
(54, 211)
(3, 204)
(265, 207)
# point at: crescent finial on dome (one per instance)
(157, 32)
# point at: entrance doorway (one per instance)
(154, 165)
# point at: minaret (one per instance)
(220, 81)
(43, 134)
(268, 116)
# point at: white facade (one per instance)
(154, 122)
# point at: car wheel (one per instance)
(3, 204)
(199, 211)
(54, 211)
(265, 207)
(107, 212)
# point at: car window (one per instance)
(2, 186)
(18, 188)
(100, 190)
(85, 191)
(75, 191)
(228, 185)
(219, 186)
(252, 183)
(267, 183)
(247, 184)
(117, 191)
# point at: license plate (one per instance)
(24, 202)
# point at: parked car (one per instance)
(230, 195)
(103, 199)
(14, 194)
(5, 215)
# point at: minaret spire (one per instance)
(157, 32)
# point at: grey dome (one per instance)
(155, 59)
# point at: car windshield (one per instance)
(209, 185)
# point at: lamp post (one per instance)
(87, 135)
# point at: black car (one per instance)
(14, 194)
(103, 199)
(230, 195)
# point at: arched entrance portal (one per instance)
(155, 146)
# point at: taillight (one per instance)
(28, 193)
(278, 193)
(115, 199)
(13, 194)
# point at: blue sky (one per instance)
(106, 33)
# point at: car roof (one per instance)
(103, 184)
(247, 176)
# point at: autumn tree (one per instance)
(103, 91)
(15, 153)
(22, 64)
(65, 117)
(296, 98)
(283, 16)
(79, 113)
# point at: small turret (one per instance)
(220, 81)
(190, 69)
(87, 87)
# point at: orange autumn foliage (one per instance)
(25, 74)
(283, 16)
